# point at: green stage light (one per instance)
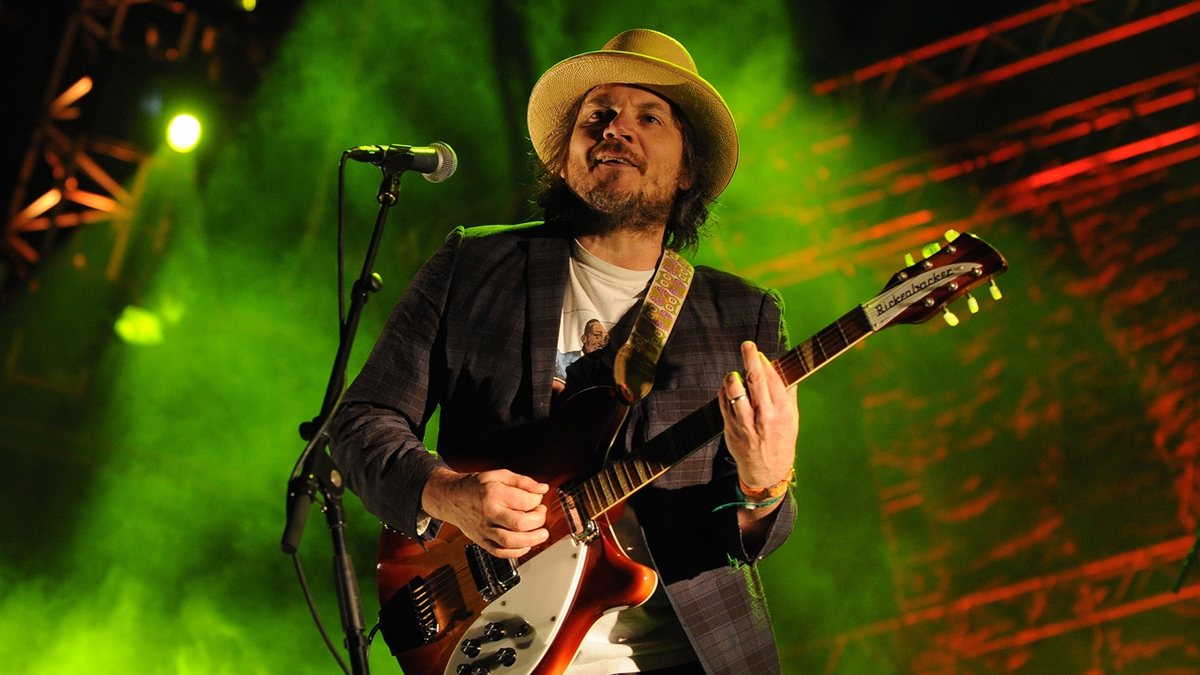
(183, 134)
(138, 326)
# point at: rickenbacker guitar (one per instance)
(450, 607)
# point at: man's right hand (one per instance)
(500, 510)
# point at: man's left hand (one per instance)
(762, 420)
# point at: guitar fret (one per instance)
(631, 481)
(598, 483)
(591, 499)
(858, 322)
(824, 356)
(831, 344)
(793, 370)
(838, 325)
(600, 501)
(610, 495)
(806, 351)
(614, 471)
(622, 481)
(643, 475)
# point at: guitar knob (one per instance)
(472, 669)
(995, 290)
(507, 656)
(972, 304)
(951, 235)
(929, 249)
(494, 631)
(470, 648)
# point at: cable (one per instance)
(341, 238)
(312, 609)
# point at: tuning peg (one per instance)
(929, 249)
(972, 304)
(951, 235)
(995, 290)
(949, 316)
(908, 260)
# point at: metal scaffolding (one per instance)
(74, 170)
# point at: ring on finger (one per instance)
(735, 399)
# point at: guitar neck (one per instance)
(621, 478)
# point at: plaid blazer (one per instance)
(476, 334)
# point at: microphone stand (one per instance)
(315, 470)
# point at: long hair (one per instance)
(689, 212)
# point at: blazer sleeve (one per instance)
(700, 490)
(771, 338)
(378, 431)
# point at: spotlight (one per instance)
(183, 134)
(138, 326)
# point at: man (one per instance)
(594, 337)
(636, 145)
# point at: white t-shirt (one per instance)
(598, 294)
(601, 292)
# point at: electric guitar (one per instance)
(450, 607)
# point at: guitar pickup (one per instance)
(583, 528)
(493, 576)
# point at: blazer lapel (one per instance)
(546, 281)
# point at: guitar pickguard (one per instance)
(516, 630)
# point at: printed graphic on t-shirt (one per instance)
(597, 295)
(593, 339)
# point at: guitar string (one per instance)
(616, 481)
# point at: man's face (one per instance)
(625, 157)
(594, 337)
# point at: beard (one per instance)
(614, 208)
(626, 210)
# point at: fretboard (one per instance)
(621, 478)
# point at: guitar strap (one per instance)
(637, 359)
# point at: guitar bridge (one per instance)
(409, 618)
(493, 576)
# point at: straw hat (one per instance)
(646, 58)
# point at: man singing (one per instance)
(635, 146)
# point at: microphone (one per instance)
(437, 161)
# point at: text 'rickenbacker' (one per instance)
(450, 607)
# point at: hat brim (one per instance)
(555, 94)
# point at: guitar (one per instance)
(450, 607)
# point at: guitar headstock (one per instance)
(923, 289)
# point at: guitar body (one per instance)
(448, 604)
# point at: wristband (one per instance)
(771, 493)
(759, 498)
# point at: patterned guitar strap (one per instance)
(637, 359)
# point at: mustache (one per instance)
(614, 148)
